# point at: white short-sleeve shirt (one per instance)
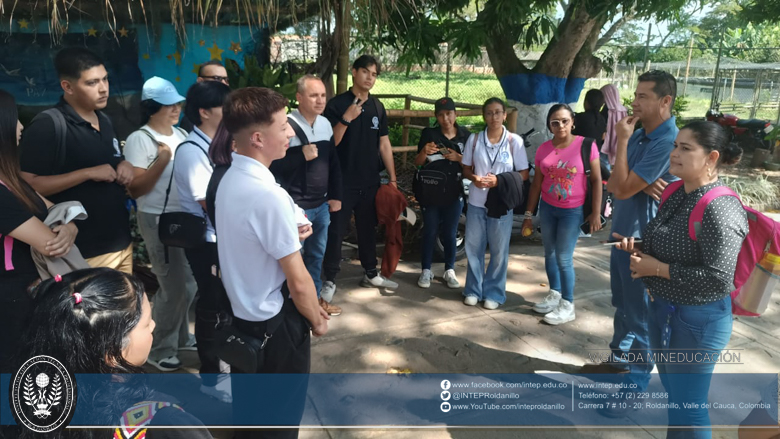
(257, 226)
(192, 174)
(486, 158)
(141, 152)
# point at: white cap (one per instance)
(161, 91)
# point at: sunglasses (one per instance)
(555, 123)
(216, 78)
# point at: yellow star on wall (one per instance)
(123, 32)
(196, 68)
(235, 47)
(92, 32)
(23, 24)
(202, 43)
(216, 52)
(177, 56)
(146, 56)
(178, 79)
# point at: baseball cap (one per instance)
(444, 104)
(160, 91)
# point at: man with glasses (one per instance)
(208, 71)
(638, 177)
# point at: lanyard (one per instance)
(501, 142)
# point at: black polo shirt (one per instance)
(107, 229)
(359, 148)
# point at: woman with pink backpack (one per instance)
(690, 280)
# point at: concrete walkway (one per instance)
(431, 331)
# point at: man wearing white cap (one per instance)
(151, 150)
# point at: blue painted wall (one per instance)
(134, 55)
(536, 88)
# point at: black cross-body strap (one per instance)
(170, 180)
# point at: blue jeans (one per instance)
(630, 323)
(702, 329)
(560, 230)
(481, 231)
(442, 221)
(314, 246)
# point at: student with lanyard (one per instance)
(489, 153)
(443, 142)
(151, 150)
(191, 175)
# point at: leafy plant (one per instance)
(278, 78)
(757, 192)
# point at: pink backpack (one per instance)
(763, 236)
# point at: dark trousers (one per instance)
(201, 260)
(363, 203)
(288, 351)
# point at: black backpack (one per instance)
(438, 183)
(587, 208)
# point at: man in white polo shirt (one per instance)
(259, 240)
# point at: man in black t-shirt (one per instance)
(89, 167)
(361, 136)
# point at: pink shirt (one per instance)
(564, 183)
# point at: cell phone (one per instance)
(585, 227)
(443, 149)
(611, 243)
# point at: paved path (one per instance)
(432, 331)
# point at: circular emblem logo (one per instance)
(43, 395)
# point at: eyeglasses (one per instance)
(223, 79)
(489, 114)
(555, 123)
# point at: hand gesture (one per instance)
(489, 181)
(643, 265)
(164, 152)
(102, 173)
(528, 227)
(626, 244)
(322, 328)
(655, 189)
(310, 152)
(453, 156)
(63, 242)
(595, 222)
(304, 232)
(124, 173)
(431, 148)
(354, 110)
(334, 205)
(625, 128)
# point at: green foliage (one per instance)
(252, 75)
(757, 192)
(680, 107)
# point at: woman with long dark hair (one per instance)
(690, 281)
(99, 321)
(22, 212)
(489, 154)
(561, 182)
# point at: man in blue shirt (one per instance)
(639, 176)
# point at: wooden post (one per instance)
(405, 130)
(733, 81)
(647, 47)
(688, 66)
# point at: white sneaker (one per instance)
(378, 281)
(328, 290)
(563, 313)
(451, 279)
(425, 279)
(222, 391)
(166, 364)
(549, 303)
(470, 300)
(490, 304)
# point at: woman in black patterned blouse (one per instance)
(690, 281)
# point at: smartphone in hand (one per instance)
(585, 227)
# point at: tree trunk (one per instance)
(343, 26)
